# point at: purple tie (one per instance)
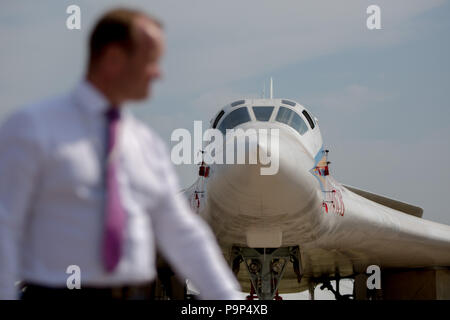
(114, 213)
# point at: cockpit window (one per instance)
(292, 119)
(219, 116)
(234, 118)
(262, 113)
(308, 117)
(236, 103)
(288, 102)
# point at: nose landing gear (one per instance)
(266, 268)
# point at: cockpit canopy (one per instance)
(262, 113)
(287, 112)
(234, 118)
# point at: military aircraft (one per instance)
(290, 231)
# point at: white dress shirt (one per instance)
(52, 199)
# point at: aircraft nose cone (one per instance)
(278, 183)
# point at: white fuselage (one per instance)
(296, 207)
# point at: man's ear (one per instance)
(114, 59)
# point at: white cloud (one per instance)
(211, 43)
(219, 43)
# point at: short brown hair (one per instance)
(115, 27)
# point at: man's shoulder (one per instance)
(38, 111)
(33, 122)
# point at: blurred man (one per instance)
(85, 184)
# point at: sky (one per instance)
(381, 96)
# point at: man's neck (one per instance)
(108, 91)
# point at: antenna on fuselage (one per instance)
(271, 88)
(264, 90)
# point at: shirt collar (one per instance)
(90, 98)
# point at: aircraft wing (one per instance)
(378, 231)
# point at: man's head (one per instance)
(124, 54)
